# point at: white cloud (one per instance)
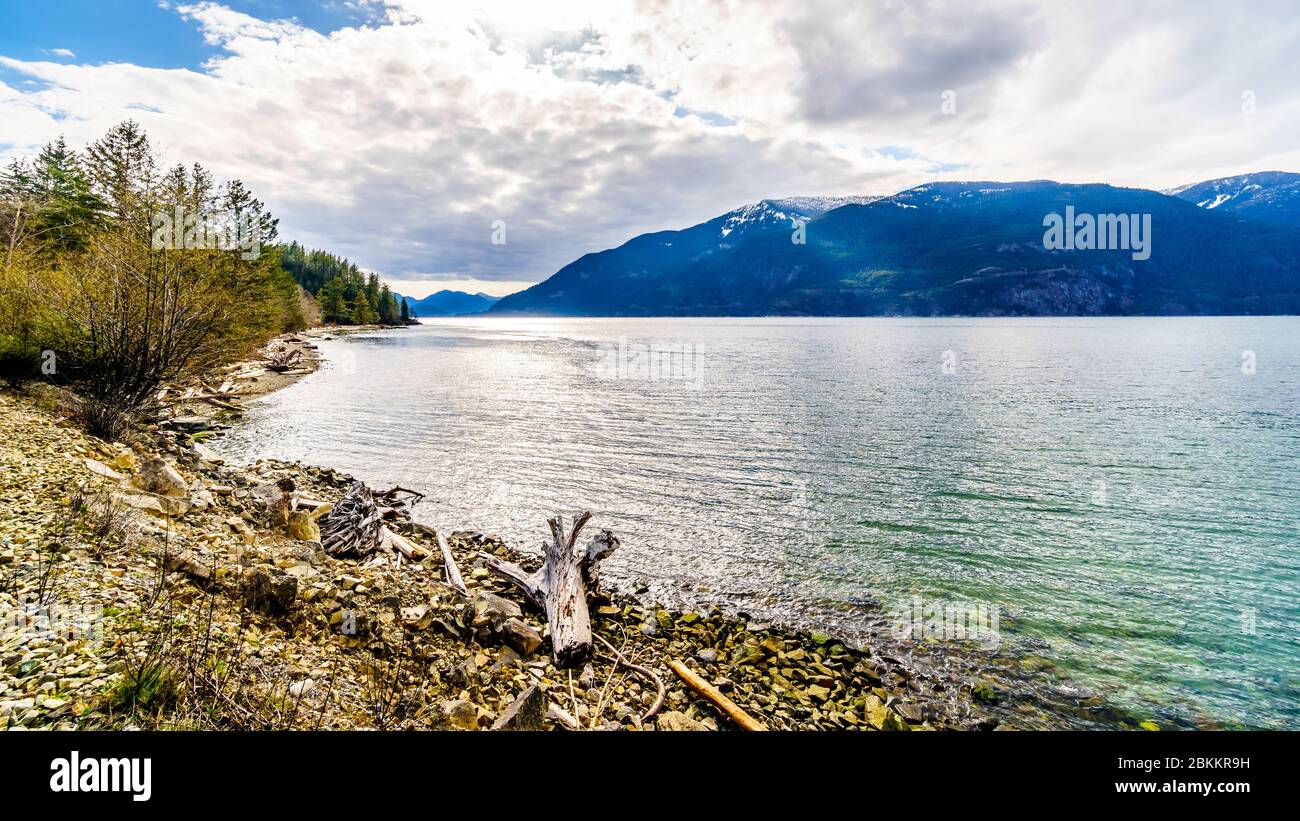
(582, 124)
(62, 52)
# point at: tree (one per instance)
(406, 311)
(82, 277)
(333, 307)
(362, 313)
(388, 311)
(122, 169)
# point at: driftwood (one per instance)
(560, 586)
(726, 705)
(283, 360)
(390, 495)
(354, 528)
(449, 567)
(644, 672)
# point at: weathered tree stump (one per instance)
(354, 528)
(560, 586)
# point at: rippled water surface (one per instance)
(1121, 491)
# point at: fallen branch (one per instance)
(221, 403)
(390, 495)
(449, 567)
(646, 673)
(726, 705)
(401, 545)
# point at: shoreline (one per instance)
(319, 619)
(1060, 703)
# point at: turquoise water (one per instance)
(1122, 493)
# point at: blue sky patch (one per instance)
(142, 32)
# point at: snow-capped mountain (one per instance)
(781, 213)
(942, 249)
(1268, 196)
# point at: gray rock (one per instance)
(494, 609)
(189, 423)
(270, 593)
(156, 476)
(678, 722)
(191, 566)
(527, 712)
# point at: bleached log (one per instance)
(450, 570)
(560, 586)
(399, 543)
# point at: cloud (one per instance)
(579, 125)
(62, 52)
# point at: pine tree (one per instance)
(406, 311)
(388, 312)
(61, 211)
(333, 307)
(122, 168)
(362, 313)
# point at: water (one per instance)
(1119, 491)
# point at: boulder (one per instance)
(461, 714)
(125, 459)
(269, 592)
(521, 637)
(527, 712)
(302, 527)
(159, 478)
(189, 423)
(491, 609)
(191, 566)
(241, 528)
(167, 506)
(101, 469)
(207, 454)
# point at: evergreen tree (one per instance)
(122, 169)
(362, 313)
(388, 311)
(333, 306)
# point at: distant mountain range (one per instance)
(1271, 196)
(451, 303)
(1229, 246)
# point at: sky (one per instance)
(413, 136)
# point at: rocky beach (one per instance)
(149, 584)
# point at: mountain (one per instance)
(451, 303)
(973, 248)
(592, 285)
(1270, 196)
